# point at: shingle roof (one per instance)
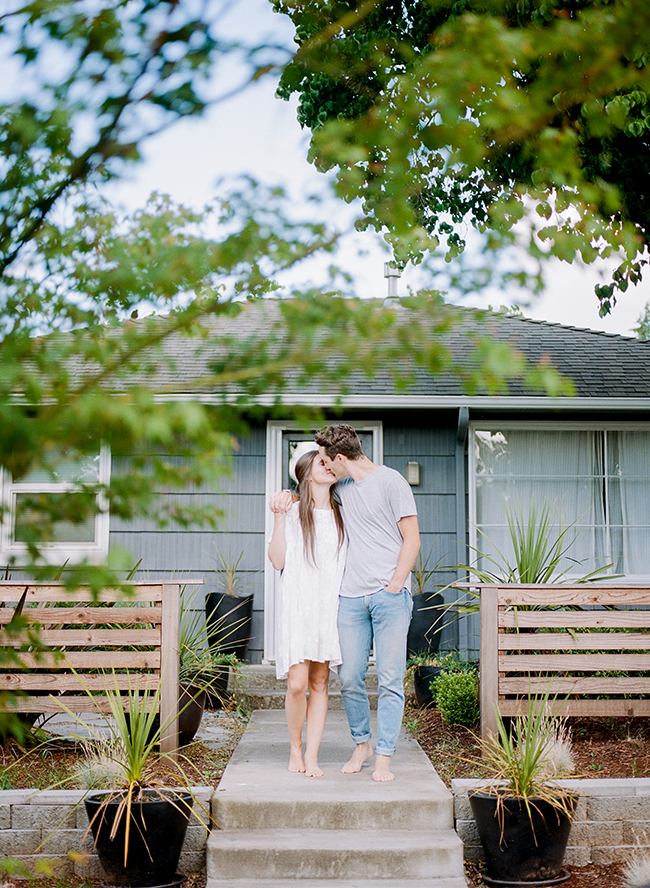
(601, 365)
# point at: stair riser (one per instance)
(270, 699)
(308, 863)
(364, 815)
(257, 678)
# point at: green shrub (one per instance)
(456, 695)
(449, 662)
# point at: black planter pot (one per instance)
(426, 623)
(157, 832)
(422, 678)
(229, 621)
(216, 697)
(191, 703)
(522, 847)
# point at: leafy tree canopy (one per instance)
(642, 328)
(88, 295)
(439, 113)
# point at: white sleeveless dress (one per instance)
(308, 601)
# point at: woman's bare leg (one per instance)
(295, 706)
(316, 715)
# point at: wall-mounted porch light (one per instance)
(413, 473)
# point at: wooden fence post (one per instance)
(489, 660)
(169, 665)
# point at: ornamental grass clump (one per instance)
(557, 759)
(637, 872)
(133, 736)
(100, 766)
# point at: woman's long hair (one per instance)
(306, 506)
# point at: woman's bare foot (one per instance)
(296, 763)
(382, 772)
(360, 755)
(312, 769)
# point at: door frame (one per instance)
(274, 432)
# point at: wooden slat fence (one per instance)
(131, 640)
(587, 645)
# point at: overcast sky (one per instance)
(257, 135)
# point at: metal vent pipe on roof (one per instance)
(392, 275)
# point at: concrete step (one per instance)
(257, 787)
(328, 814)
(335, 854)
(338, 831)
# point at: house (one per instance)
(464, 454)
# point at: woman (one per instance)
(308, 545)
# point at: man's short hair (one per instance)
(340, 438)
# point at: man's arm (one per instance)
(410, 531)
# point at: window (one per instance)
(70, 481)
(598, 478)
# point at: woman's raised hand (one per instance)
(281, 501)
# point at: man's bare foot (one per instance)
(296, 763)
(360, 755)
(382, 772)
(312, 769)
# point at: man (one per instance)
(375, 599)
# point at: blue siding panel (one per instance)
(187, 553)
(192, 552)
(252, 444)
(417, 442)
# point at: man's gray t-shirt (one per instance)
(371, 510)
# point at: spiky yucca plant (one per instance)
(538, 549)
(533, 750)
(134, 736)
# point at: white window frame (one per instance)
(274, 432)
(494, 425)
(13, 552)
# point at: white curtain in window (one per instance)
(560, 469)
(628, 495)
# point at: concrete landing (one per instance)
(337, 830)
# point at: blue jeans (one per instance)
(384, 616)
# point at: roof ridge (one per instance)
(545, 323)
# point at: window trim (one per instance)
(493, 425)
(12, 552)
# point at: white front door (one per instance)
(282, 438)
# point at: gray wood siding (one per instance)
(435, 498)
(192, 551)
